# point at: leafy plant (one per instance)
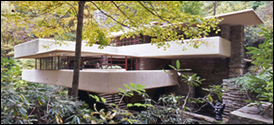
(263, 55)
(32, 103)
(116, 114)
(261, 81)
(167, 110)
(195, 80)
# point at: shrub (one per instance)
(31, 103)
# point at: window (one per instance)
(47, 63)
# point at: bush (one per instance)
(260, 81)
(31, 103)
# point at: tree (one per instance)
(192, 7)
(11, 34)
(132, 17)
(221, 7)
(75, 82)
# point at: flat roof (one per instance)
(244, 17)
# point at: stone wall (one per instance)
(232, 97)
(235, 34)
(152, 64)
(213, 70)
(237, 62)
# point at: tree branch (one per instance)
(122, 11)
(155, 14)
(183, 106)
(200, 107)
(47, 109)
(72, 7)
(109, 15)
(60, 4)
(66, 13)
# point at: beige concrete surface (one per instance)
(35, 49)
(102, 81)
(244, 17)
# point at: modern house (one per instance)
(135, 60)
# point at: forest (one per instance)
(34, 103)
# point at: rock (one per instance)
(250, 115)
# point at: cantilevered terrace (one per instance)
(52, 65)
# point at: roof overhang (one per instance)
(244, 17)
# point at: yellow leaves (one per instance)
(59, 112)
(40, 103)
(124, 119)
(69, 19)
(49, 24)
(21, 97)
(210, 99)
(58, 119)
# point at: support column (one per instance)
(126, 63)
(225, 31)
(35, 63)
(237, 64)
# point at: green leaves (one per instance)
(178, 64)
(95, 97)
(167, 110)
(23, 113)
(263, 56)
(103, 99)
(24, 103)
(132, 85)
(129, 92)
(126, 86)
(260, 82)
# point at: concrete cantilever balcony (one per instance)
(108, 81)
(102, 80)
(34, 49)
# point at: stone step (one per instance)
(236, 95)
(231, 98)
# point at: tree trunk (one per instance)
(214, 7)
(75, 81)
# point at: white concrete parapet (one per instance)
(100, 80)
(35, 49)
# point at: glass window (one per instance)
(49, 63)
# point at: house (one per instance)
(135, 60)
